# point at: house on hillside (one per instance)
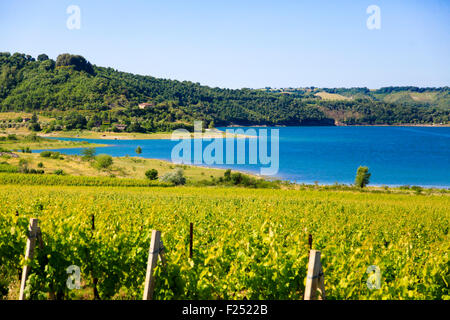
(146, 105)
(121, 127)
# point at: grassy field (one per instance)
(24, 142)
(15, 115)
(331, 96)
(131, 135)
(249, 244)
(122, 167)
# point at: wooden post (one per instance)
(191, 236)
(314, 278)
(321, 284)
(310, 240)
(161, 253)
(151, 264)
(29, 253)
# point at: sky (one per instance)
(244, 43)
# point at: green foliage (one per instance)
(35, 127)
(79, 63)
(103, 161)
(93, 94)
(176, 177)
(75, 121)
(65, 180)
(59, 172)
(12, 137)
(227, 175)
(88, 154)
(6, 167)
(251, 244)
(240, 180)
(42, 57)
(55, 155)
(138, 150)
(152, 174)
(362, 177)
(46, 154)
(417, 189)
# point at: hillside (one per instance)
(71, 93)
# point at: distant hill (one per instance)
(432, 97)
(78, 94)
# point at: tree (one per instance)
(34, 126)
(362, 177)
(42, 57)
(135, 127)
(236, 178)
(78, 62)
(151, 174)
(103, 161)
(138, 150)
(34, 118)
(88, 153)
(75, 121)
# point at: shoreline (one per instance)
(344, 125)
(216, 134)
(297, 183)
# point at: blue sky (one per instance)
(237, 44)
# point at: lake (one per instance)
(395, 155)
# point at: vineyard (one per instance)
(247, 244)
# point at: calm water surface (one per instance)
(394, 155)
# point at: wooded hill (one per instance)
(81, 95)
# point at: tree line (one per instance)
(81, 95)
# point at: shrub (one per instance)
(33, 137)
(23, 165)
(55, 155)
(417, 189)
(59, 172)
(50, 154)
(103, 161)
(12, 137)
(176, 177)
(35, 127)
(236, 178)
(227, 175)
(151, 174)
(40, 165)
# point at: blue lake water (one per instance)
(394, 155)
